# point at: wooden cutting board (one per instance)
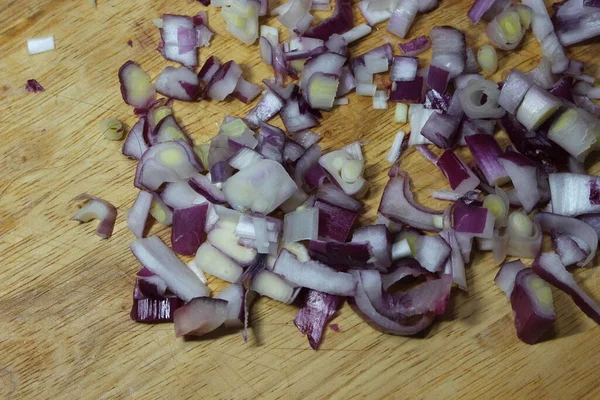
(65, 294)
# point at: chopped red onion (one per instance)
(472, 220)
(522, 173)
(575, 22)
(138, 213)
(235, 298)
(574, 194)
(408, 267)
(569, 251)
(314, 275)
(261, 187)
(346, 170)
(479, 9)
(485, 151)
(152, 308)
(538, 105)
(296, 17)
(296, 119)
(96, 208)
(245, 91)
(459, 276)
(330, 194)
(266, 283)
(532, 303)
(404, 69)
(513, 90)
(542, 74)
(215, 263)
(339, 22)
(179, 39)
(202, 185)
(335, 222)
(187, 233)
(40, 45)
(321, 90)
(167, 130)
(266, 108)
(396, 149)
(301, 225)
(398, 205)
(292, 151)
(373, 17)
(33, 86)
(506, 276)
(243, 158)
(575, 131)
(158, 258)
(380, 244)
(441, 129)
(550, 269)
(521, 243)
(459, 175)
(408, 91)
(449, 49)
(271, 142)
(437, 79)
(200, 316)
(166, 162)
(358, 32)
(224, 238)
(416, 46)
(316, 311)
(209, 69)
(223, 82)
(403, 17)
(136, 87)
(479, 99)
(341, 255)
(577, 230)
(554, 52)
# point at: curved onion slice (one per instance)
(166, 162)
(178, 83)
(316, 311)
(550, 269)
(96, 208)
(403, 17)
(271, 285)
(235, 298)
(187, 233)
(138, 214)
(224, 81)
(506, 31)
(569, 251)
(485, 151)
(459, 175)
(505, 278)
(476, 105)
(407, 267)
(572, 227)
(335, 223)
(160, 211)
(531, 300)
(346, 171)
(448, 49)
(215, 263)
(136, 87)
(340, 22)
(397, 204)
(200, 316)
(314, 275)
(416, 46)
(167, 130)
(574, 194)
(202, 185)
(522, 172)
(524, 237)
(380, 244)
(135, 145)
(158, 258)
(261, 187)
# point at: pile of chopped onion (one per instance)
(272, 214)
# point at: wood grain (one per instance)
(65, 294)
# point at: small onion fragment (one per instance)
(200, 316)
(96, 208)
(178, 83)
(316, 311)
(136, 88)
(506, 276)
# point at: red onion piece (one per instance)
(96, 208)
(305, 162)
(397, 204)
(531, 300)
(136, 87)
(479, 9)
(550, 269)
(167, 130)
(441, 129)
(330, 194)
(437, 79)
(574, 194)
(569, 251)
(296, 119)
(33, 86)
(235, 298)
(261, 187)
(403, 17)
(408, 91)
(314, 275)
(380, 244)
(187, 233)
(316, 311)
(588, 105)
(575, 22)
(135, 144)
(416, 46)
(563, 89)
(178, 83)
(449, 49)
(202, 185)
(573, 227)
(179, 39)
(432, 252)
(209, 69)
(158, 258)
(506, 276)
(138, 214)
(335, 223)
(404, 268)
(526, 246)
(214, 262)
(200, 316)
(485, 151)
(479, 99)
(223, 82)
(404, 69)
(152, 309)
(459, 175)
(459, 276)
(355, 255)
(513, 90)
(266, 108)
(522, 172)
(340, 22)
(326, 63)
(373, 17)
(472, 220)
(321, 90)
(245, 91)
(292, 151)
(166, 162)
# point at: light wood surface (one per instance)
(65, 294)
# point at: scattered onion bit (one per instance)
(112, 129)
(487, 59)
(33, 86)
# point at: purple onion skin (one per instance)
(316, 311)
(151, 308)
(334, 222)
(531, 322)
(188, 229)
